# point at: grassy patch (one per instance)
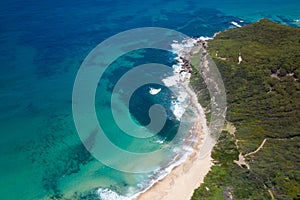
(263, 93)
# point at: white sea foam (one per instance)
(204, 38)
(182, 96)
(159, 141)
(181, 155)
(182, 49)
(107, 194)
(154, 91)
(178, 110)
(188, 148)
(161, 174)
(236, 24)
(179, 103)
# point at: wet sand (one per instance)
(184, 179)
(181, 182)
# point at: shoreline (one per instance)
(187, 176)
(183, 179)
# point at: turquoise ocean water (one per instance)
(42, 46)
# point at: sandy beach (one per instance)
(184, 179)
(181, 182)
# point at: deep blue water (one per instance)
(42, 46)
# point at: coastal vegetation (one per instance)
(263, 93)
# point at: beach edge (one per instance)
(189, 175)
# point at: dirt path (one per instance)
(259, 148)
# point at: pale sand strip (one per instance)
(181, 182)
(184, 179)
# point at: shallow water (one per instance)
(43, 45)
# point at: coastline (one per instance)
(186, 177)
(183, 179)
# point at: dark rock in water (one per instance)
(56, 196)
(182, 71)
(85, 195)
(183, 59)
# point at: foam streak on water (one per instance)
(107, 194)
(182, 50)
(180, 105)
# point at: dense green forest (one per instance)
(263, 100)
